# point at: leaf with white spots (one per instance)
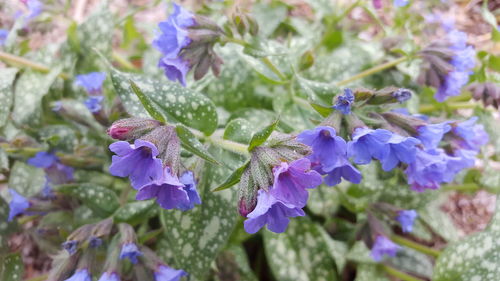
(6, 227)
(176, 103)
(300, 253)
(30, 88)
(99, 199)
(62, 136)
(7, 76)
(413, 262)
(11, 267)
(26, 179)
(134, 212)
(238, 130)
(192, 144)
(475, 258)
(197, 235)
(370, 272)
(318, 92)
(232, 264)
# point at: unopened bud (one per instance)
(405, 122)
(132, 128)
(246, 207)
(390, 95)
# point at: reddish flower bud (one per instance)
(132, 128)
(245, 207)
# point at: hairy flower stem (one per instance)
(20, 61)
(399, 274)
(222, 143)
(466, 187)
(416, 246)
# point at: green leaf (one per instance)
(370, 272)
(12, 268)
(413, 262)
(197, 235)
(261, 136)
(31, 87)
(65, 136)
(176, 103)
(233, 179)
(97, 31)
(134, 212)
(26, 179)
(232, 264)
(73, 40)
(147, 103)
(99, 199)
(300, 253)
(6, 227)
(319, 93)
(323, 201)
(192, 144)
(494, 62)
(7, 76)
(238, 130)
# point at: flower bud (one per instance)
(405, 122)
(246, 207)
(132, 128)
(390, 95)
(488, 93)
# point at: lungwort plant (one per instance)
(246, 140)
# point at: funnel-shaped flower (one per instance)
(473, 135)
(401, 149)
(431, 134)
(165, 273)
(326, 145)
(383, 247)
(91, 82)
(137, 161)
(80, 275)
(18, 204)
(131, 252)
(271, 211)
(109, 276)
(406, 219)
(343, 170)
(367, 143)
(291, 181)
(189, 182)
(427, 171)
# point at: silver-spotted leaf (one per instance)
(26, 179)
(7, 76)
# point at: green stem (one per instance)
(452, 106)
(346, 12)
(39, 278)
(273, 68)
(123, 61)
(466, 187)
(236, 41)
(20, 61)
(415, 246)
(399, 274)
(228, 145)
(372, 70)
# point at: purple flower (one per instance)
(271, 211)
(463, 61)
(56, 106)
(343, 169)
(168, 191)
(174, 37)
(130, 251)
(402, 95)
(80, 275)
(401, 3)
(427, 171)
(189, 182)
(344, 102)
(18, 204)
(406, 219)
(291, 181)
(175, 68)
(95, 242)
(326, 145)
(43, 159)
(47, 189)
(473, 135)
(377, 4)
(430, 135)
(165, 273)
(109, 276)
(93, 103)
(367, 143)
(137, 161)
(35, 8)
(383, 247)
(59, 173)
(92, 82)
(461, 159)
(70, 246)
(401, 149)
(4, 33)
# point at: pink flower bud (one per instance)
(132, 128)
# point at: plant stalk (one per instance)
(20, 61)
(399, 274)
(415, 246)
(372, 70)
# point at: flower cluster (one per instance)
(152, 163)
(274, 186)
(448, 64)
(186, 41)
